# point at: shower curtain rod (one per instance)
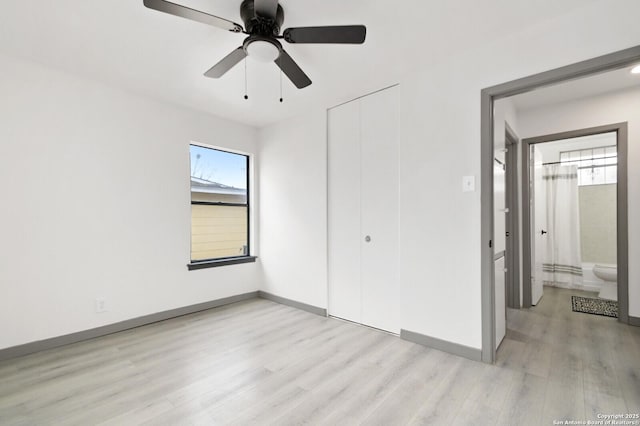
(576, 161)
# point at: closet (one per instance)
(363, 211)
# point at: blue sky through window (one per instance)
(219, 166)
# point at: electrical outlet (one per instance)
(101, 305)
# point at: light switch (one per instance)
(468, 183)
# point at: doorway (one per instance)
(535, 236)
(590, 67)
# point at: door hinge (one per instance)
(490, 244)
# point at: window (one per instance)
(596, 166)
(219, 207)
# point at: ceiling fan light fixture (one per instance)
(263, 51)
(635, 70)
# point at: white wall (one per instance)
(55, 122)
(551, 150)
(596, 111)
(504, 111)
(96, 203)
(293, 209)
(440, 142)
(441, 261)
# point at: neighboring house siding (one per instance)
(218, 231)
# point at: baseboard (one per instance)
(54, 342)
(442, 345)
(635, 321)
(294, 304)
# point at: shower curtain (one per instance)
(562, 265)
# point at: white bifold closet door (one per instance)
(363, 211)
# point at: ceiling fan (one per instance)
(262, 22)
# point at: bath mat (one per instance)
(589, 305)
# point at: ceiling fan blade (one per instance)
(347, 34)
(266, 8)
(292, 70)
(194, 15)
(228, 62)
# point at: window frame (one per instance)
(591, 159)
(229, 260)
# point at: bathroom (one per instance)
(574, 220)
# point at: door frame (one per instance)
(622, 233)
(488, 96)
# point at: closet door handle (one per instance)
(367, 239)
(543, 232)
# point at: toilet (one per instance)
(609, 274)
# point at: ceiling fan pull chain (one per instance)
(281, 86)
(246, 96)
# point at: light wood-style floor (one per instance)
(258, 362)
(575, 365)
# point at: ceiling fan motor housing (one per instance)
(255, 24)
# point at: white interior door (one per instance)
(499, 200)
(539, 223)
(345, 295)
(501, 319)
(379, 197)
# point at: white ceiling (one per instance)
(586, 87)
(122, 43)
